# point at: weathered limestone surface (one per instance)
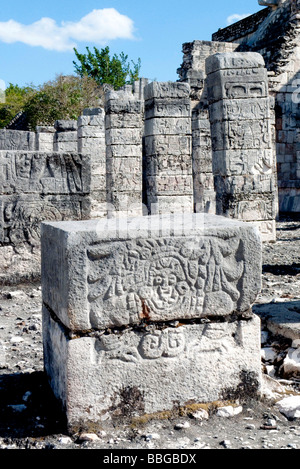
(123, 123)
(168, 160)
(17, 140)
(149, 370)
(192, 71)
(65, 138)
(114, 272)
(37, 186)
(242, 139)
(91, 141)
(134, 296)
(45, 138)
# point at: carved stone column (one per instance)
(168, 154)
(242, 139)
(123, 123)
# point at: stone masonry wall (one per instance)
(37, 186)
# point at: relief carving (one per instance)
(40, 172)
(161, 280)
(167, 344)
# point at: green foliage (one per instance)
(15, 99)
(116, 71)
(63, 98)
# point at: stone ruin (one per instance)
(153, 211)
(148, 314)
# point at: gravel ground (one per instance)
(30, 418)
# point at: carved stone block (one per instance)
(166, 90)
(112, 273)
(168, 108)
(17, 140)
(44, 173)
(168, 126)
(154, 369)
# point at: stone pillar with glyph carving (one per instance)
(91, 141)
(145, 314)
(124, 153)
(168, 151)
(243, 139)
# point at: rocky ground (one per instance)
(31, 419)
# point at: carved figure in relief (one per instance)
(155, 279)
(22, 220)
(166, 344)
(35, 171)
(23, 165)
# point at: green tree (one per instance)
(63, 98)
(15, 99)
(116, 71)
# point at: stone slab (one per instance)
(17, 140)
(137, 372)
(168, 126)
(111, 273)
(166, 90)
(234, 61)
(168, 184)
(21, 215)
(158, 204)
(240, 109)
(164, 145)
(168, 108)
(281, 318)
(44, 173)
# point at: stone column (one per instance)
(65, 139)
(91, 141)
(168, 159)
(123, 123)
(44, 138)
(192, 71)
(242, 139)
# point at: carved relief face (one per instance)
(168, 280)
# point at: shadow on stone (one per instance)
(28, 407)
(293, 269)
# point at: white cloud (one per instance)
(236, 17)
(99, 26)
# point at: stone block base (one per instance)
(136, 371)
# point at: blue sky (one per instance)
(37, 38)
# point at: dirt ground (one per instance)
(30, 417)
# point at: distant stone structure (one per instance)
(274, 32)
(173, 147)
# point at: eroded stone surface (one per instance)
(158, 268)
(153, 370)
(242, 139)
